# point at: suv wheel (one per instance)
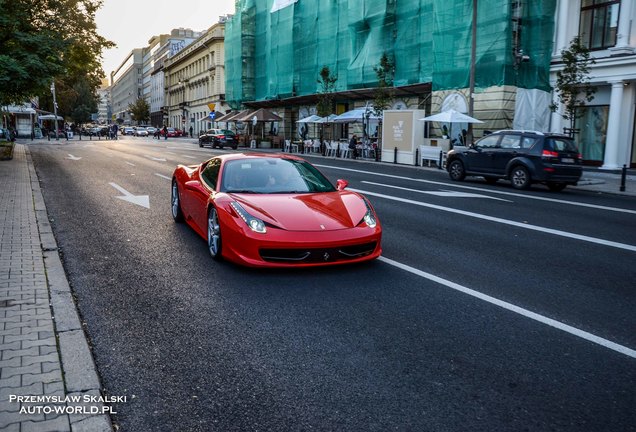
(456, 170)
(520, 177)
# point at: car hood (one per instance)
(326, 211)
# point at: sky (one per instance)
(131, 23)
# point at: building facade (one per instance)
(104, 110)
(159, 49)
(605, 126)
(194, 81)
(126, 86)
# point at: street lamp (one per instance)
(55, 110)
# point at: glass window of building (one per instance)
(599, 23)
(591, 127)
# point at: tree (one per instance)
(46, 40)
(573, 87)
(140, 110)
(325, 96)
(383, 94)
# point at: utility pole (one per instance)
(57, 137)
(471, 89)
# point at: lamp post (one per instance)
(471, 90)
(55, 110)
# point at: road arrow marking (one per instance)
(130, 163)
(156, 159)
(140, 200)
(163, 176)
(189, 157)
(71, 157)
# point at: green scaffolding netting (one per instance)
(277, 55)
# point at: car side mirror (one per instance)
(341, 184)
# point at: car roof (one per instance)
(521, 131)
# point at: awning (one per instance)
(49, 117)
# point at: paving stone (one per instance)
(59, 424)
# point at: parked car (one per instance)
(127, 131)
(141, 131)
(522, 157)
(218, 138)
(151, 130)
(277, 210)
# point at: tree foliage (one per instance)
(573, 87)
(327, 83)
(140, 111)
(46, 40)
(383, 94)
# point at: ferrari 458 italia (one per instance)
(264, 210)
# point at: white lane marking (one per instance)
(459, 186)
(516, 309)
(130, 163)
(163, 176)
(189, 157)
(155, 158)
(71, 157)
(451, 194)
(140, 200)
(628, 247)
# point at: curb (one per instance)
(78, 368)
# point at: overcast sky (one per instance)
(131, 23)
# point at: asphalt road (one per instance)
(490, 310)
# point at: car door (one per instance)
(509, 148)
(199, 190)
(480, 157)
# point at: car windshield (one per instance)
(273, 176)
(227, 132)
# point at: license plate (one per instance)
(567, 160)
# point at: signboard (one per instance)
(403, 130)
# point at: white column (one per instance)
(613, 127)
(623, 32)
(561, 40)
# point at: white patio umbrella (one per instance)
(451, 116)
(311, 119)
(356, 115)
(50, 117)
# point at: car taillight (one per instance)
(221, 136)
(580, 155)
(549, 154)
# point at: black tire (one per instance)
(175, 203)
(520, 177)
(556, 187)
(491, 180)
(456, 170)
(214, 234)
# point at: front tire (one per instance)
(520, 177)
(456, 170)
(214, 234)
(177, 213)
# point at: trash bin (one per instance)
(69, 134)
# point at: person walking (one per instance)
(191, 131)
(353, 146)
(165, 133)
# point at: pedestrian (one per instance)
(165, 133)
(191, 131)
(115, 128)
(353, 145)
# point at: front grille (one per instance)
(317, 255)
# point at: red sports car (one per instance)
(264, 210)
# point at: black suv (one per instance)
(218, 138)
(522, 157)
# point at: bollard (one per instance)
(623, 178)
(417, 157)
(395, 155)
(439, 161)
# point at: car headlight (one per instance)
(369, 217)
(254, 223)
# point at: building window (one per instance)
(591, 123)
(599, 23)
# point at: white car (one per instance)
(151, 130)
(141, 132)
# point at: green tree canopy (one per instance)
(46, 40)
(140, 111)
(383, 94)
(573, 86)
(327, 83)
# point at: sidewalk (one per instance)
(44, 355)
